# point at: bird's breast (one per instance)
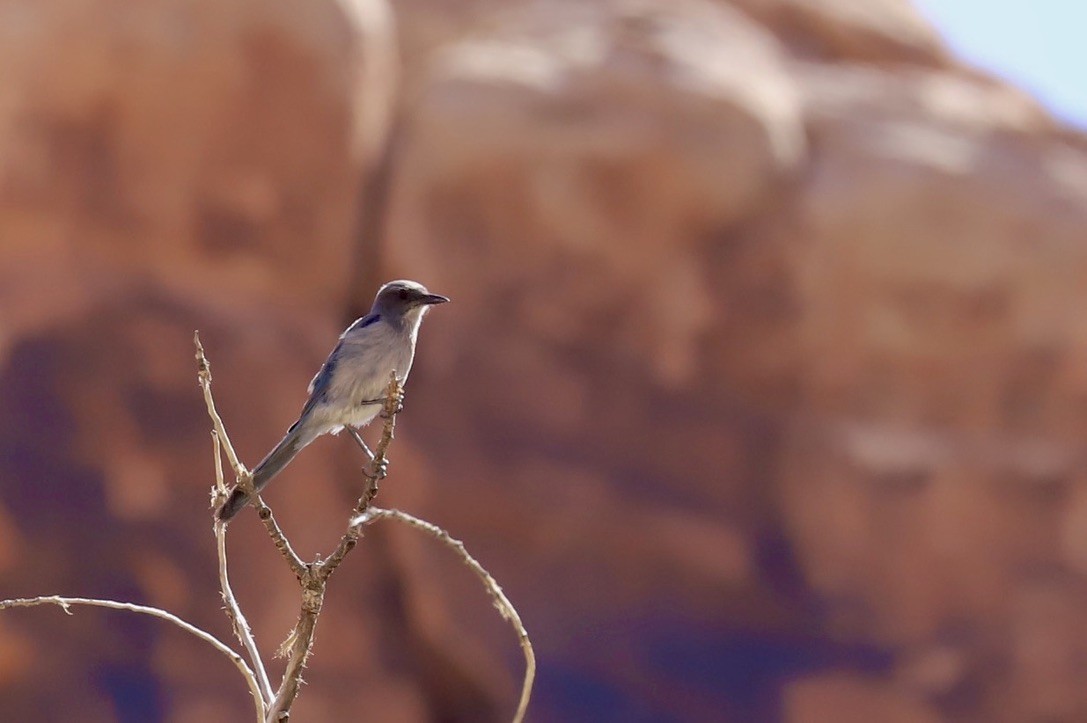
(364, 367)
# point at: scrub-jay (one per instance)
(350, 388)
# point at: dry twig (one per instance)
(203, 375)
(274, 707)
(394, 403)
(242, 476)
(264, 512)
(233, 610)
(505, 607)
(312, 578)
(299, 645)
(66, 602)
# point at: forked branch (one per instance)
(233, 610)
(299, 645)
(274, 707)
(313, 578)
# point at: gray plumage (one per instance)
(349, 390)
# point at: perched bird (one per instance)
(350, 388)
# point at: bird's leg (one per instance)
(360, 441)
(380, 472)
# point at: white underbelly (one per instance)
(360, 381)
(361, 415)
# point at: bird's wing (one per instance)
(361, 323)
(318, 387)
(320, 383)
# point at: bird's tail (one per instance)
(263, 473)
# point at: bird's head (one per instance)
(404, 299)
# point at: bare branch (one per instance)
(241, 474)
(299, 646)
(233, 610)
(203, 376)
(313, 578)
(220, 482)
(237, 618)
(66, 602)
(264, 512)
(505, 607)
(394, 401)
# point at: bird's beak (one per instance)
(429, 299)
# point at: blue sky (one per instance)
(1037, 44)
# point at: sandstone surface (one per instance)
(761, 393)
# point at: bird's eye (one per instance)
(403, 294)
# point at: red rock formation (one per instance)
(760, 394)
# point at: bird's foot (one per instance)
(397, 405)
(379, 469)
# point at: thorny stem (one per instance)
(264, 512)
(203, 376)
(394, 400)
(241, 474)
(313, 578)
(299, 645)
(66, 602)
(505, 607)
(237, 618)
(233, 610)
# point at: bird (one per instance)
(349, 390)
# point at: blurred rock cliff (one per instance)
(762, 393)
